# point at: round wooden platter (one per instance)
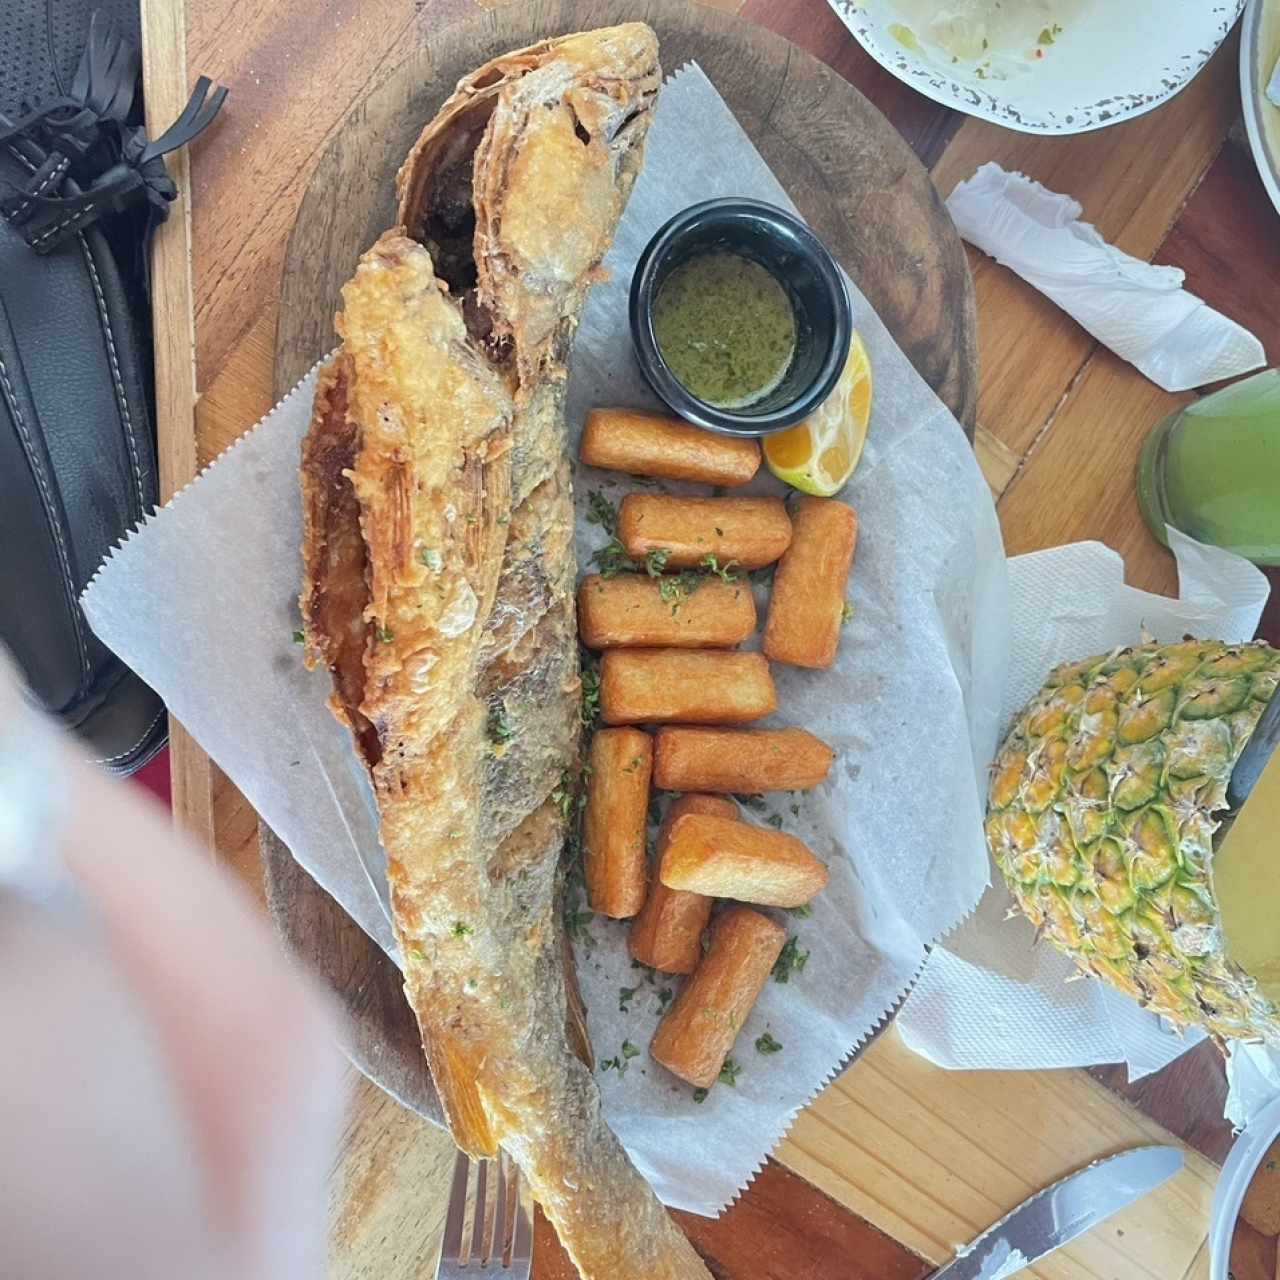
(850, 173)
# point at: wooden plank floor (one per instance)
(926, 1157)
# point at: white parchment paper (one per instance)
(201, 602)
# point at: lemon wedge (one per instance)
(819, 453)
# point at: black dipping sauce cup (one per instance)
(798, 260)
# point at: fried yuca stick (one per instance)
(725, 858)
(629, 611)
(806, 609)
(699, 686)
(746, 532)
(701, 1026)
(654, 444)
(739, 760)
(614, 820)
(667, 934)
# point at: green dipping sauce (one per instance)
(726, 329)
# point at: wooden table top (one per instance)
(896, 1162)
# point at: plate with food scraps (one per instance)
(1260, 89)
(1043, 66)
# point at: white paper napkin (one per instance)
(1140, 311)
(990, 996)
(201, 602)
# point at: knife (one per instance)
(1056, 1215)
(1257, 751)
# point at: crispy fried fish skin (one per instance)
(438, 528)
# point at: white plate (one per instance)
(1259, 49)
(1237, 1172)
(1117, 60)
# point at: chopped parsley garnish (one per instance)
(665, 997)
(299, 637)
(612, 559)
(1048, 35)
(726, 574)
(767, 1044)
(795, 810)
(636, 762)
(756, 802)
(676, 589)
(461, 929)
(575, 925)
(590, 692)
(775, 821)
(729, 1072)
(655, 811)
(562, 796)
(656, 560)
(846, 613)
(699, 1095)
(431, 558)
(803, 912)
(602, 512)
(625, 996)
(790, 960)
(621, 1061)
(384, 635)
(500, 728)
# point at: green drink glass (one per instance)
(1212, 470)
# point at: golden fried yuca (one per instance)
(630, 610)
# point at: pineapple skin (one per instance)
(1101, 818)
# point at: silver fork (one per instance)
(496, 1240)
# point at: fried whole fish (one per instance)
(439, 574)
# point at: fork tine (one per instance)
(477, 1226)
(510, 1202)
(495, 1226)
(451, 1245)
(522, 1236)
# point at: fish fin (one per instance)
(456, 1079)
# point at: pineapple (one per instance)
(1101, 818)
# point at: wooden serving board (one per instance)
(852, 176)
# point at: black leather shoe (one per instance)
(80, 187)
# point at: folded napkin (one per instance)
(1253, 1079)
(1140, 311)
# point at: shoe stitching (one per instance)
(116, 379)
(79, 216)
(146, 733)
(115, 369)
(52, 176)
(50, 515)
(111, 349)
